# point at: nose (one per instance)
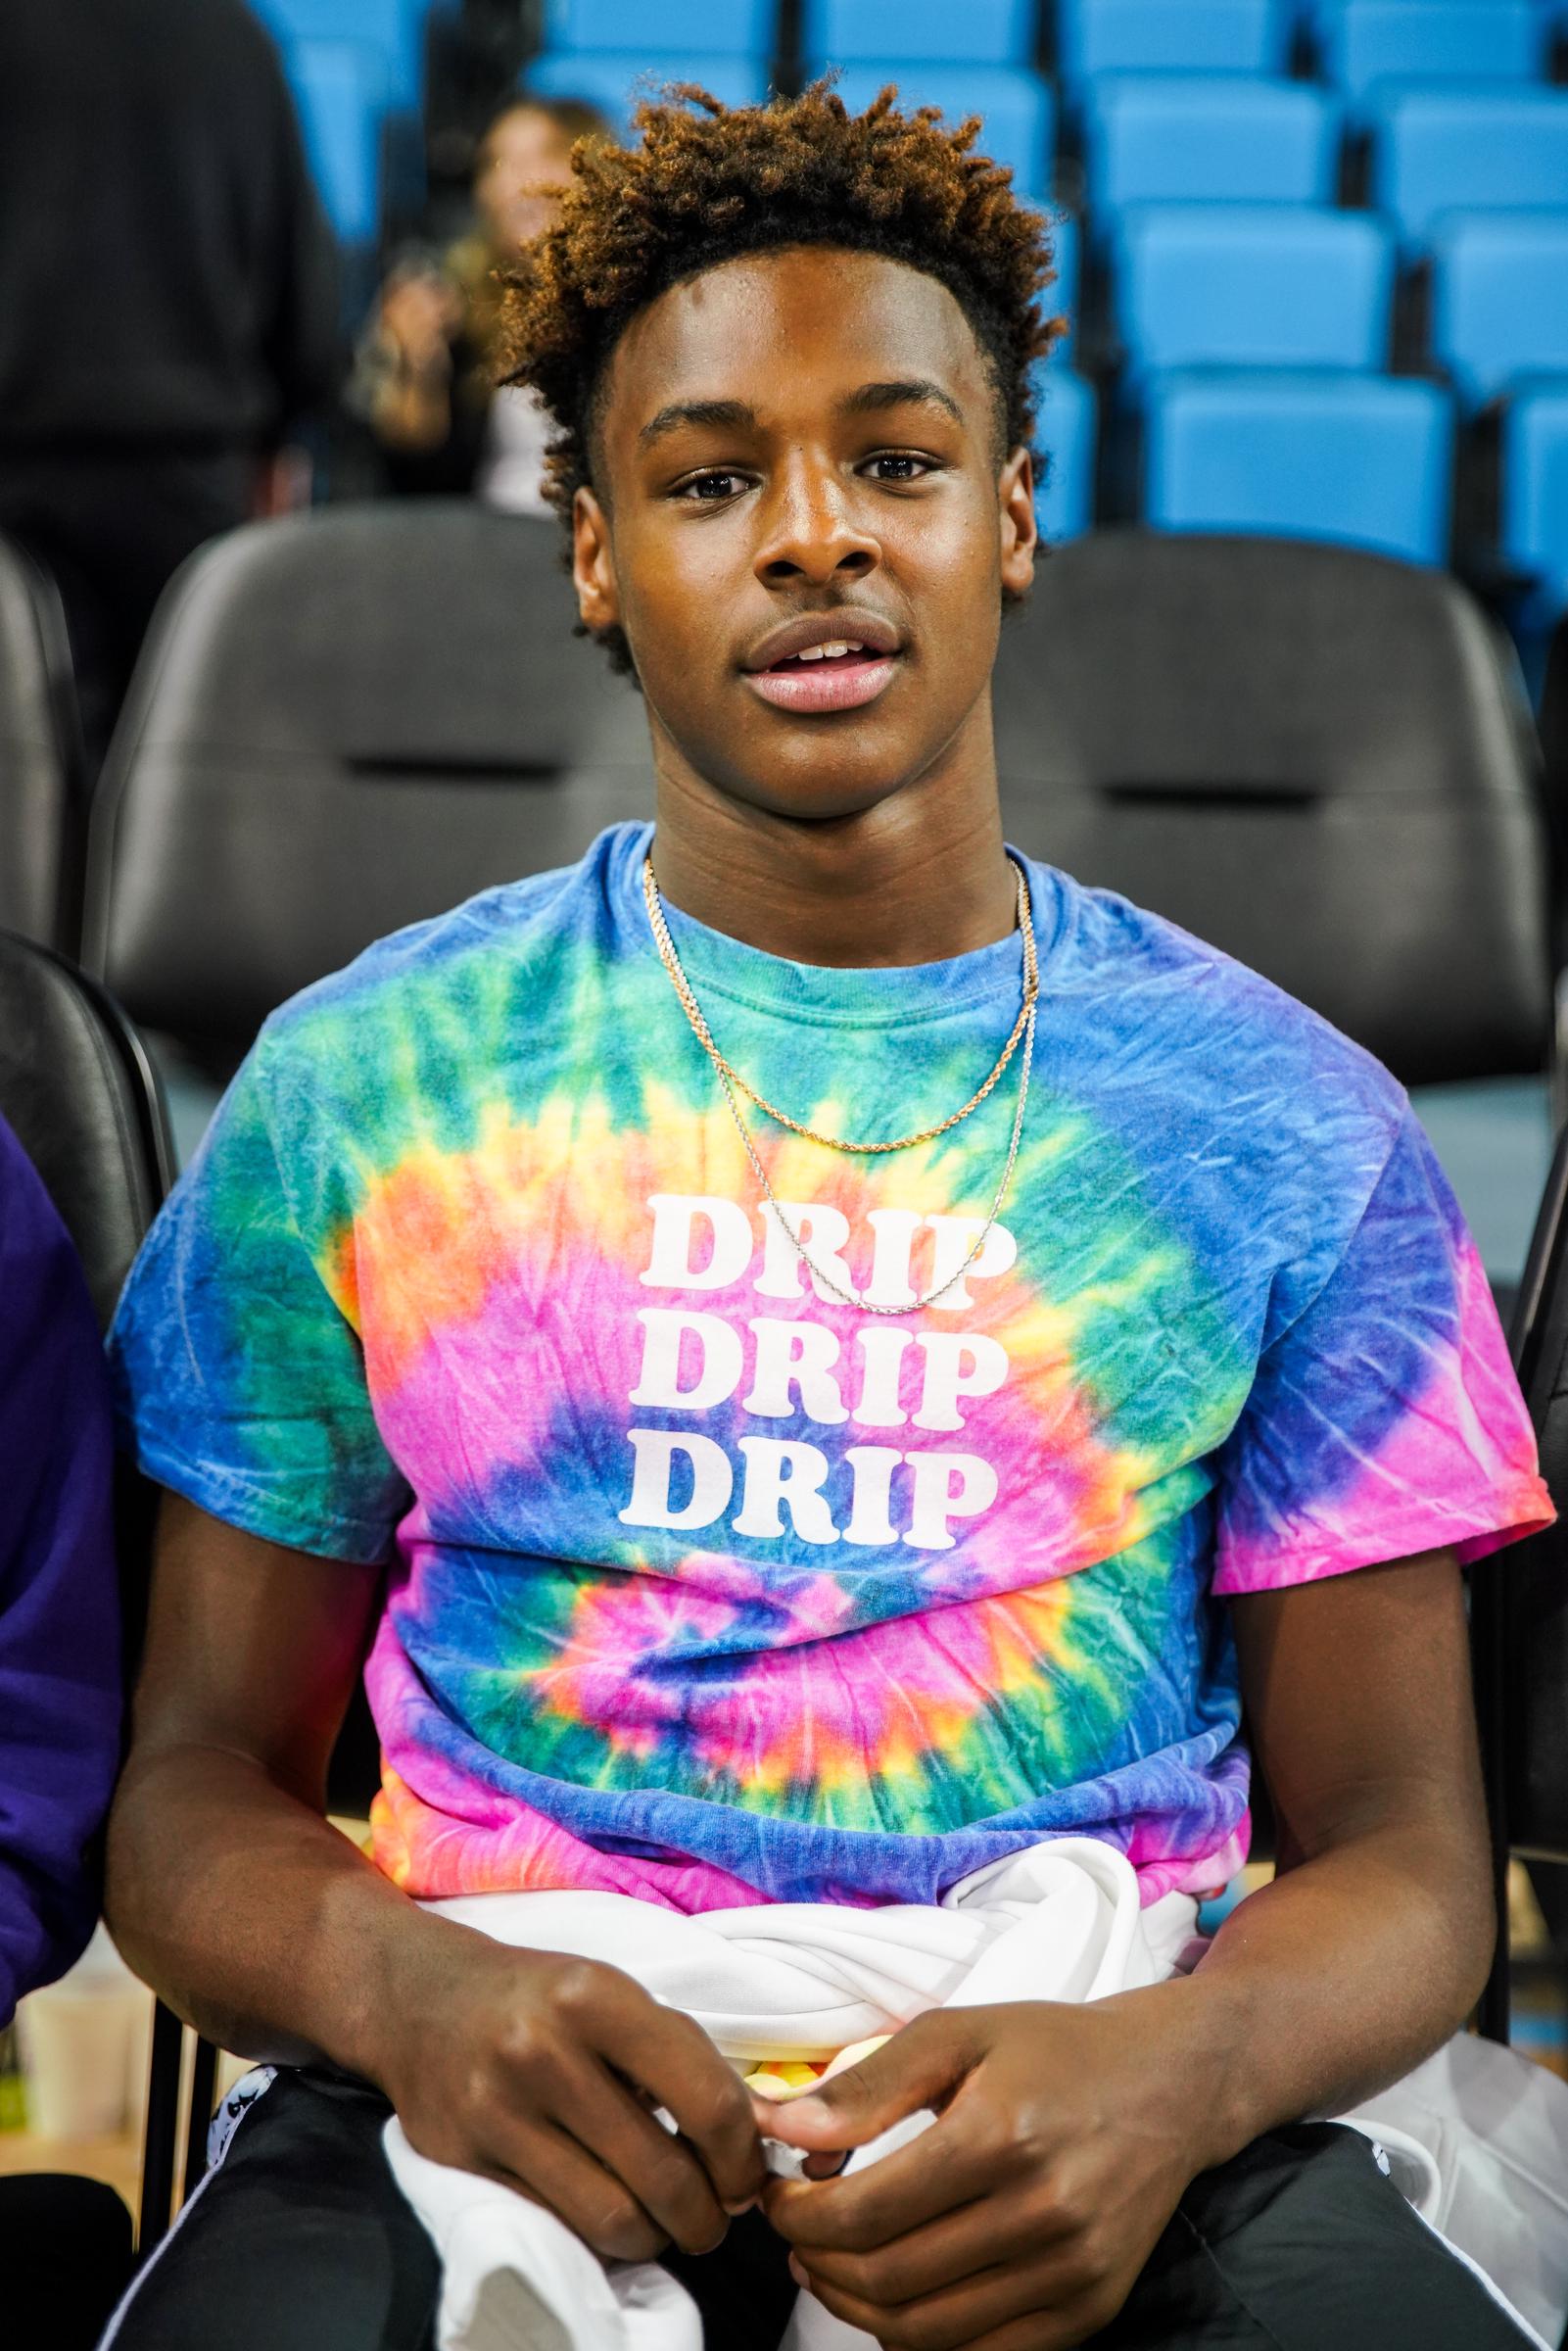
(810, 532)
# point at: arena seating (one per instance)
(1069, 415)
(1441, 151)
(1017, 108)
(40, 779)
(344, 94)
(1366, 42)
(1252, 286)
(1362, 458)
(1534, 536)
(1139, 37)
(1500, 300)
(1203, 138)
(614, 79)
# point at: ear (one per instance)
(599, 601)
(1015, 514)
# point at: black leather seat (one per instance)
(1519, 1602)
(342, 723)
(77, 1088)
(1321, 760)
(40, 762)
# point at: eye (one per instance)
(899, 465)
(711, 489)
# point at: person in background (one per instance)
(65, 2244)
(167, 302)
(424, 382)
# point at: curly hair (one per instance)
(709, 183)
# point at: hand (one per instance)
(1021, 2218)
(419, 315)
(544, 2072)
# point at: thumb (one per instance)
(921, 2066)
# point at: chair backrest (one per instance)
(1438, 151)
(1317, 759)
(699, 28)
(1368, 42)
(1160, 138)
(615, 80)
(40, 752)
(1068, 418)
(79, 1092)
(984, 32)
(343, 723)
(1143, 37)
(1499, 299)
(1017, 108)
(1366, 461)
(1534, 489)
(1222, 285)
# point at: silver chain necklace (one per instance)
(825, 1281)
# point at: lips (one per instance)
(824, 661)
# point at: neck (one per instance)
(920, 877)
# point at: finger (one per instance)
(679, 2065)
(991, 2231)
(1026, 2301)
(938, 2172)
(921, 2066)
(552, 2169)
(663, 2172)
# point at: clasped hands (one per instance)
(1018, 2221)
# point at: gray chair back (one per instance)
(39, 754)
(1318, 759)
(343, 723)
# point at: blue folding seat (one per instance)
(1252, 286)
(1060, 296)
(342, 92)
(672, 27)
(1437, 151)
(1499, 299)
(1535, 493)
(1365, 459)
(614, 79)
(1065, 431)
(1193, 36)
(1367, 41)
(393, 28)
(1018, 109)
(984, 33)
(1209, 138)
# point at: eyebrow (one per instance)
(736, 415)
(902, 393)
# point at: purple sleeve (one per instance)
(1385, 1419)
(60, 1656)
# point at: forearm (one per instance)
(1336, 1979)
(258, 1922)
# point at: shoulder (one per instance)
(458, 990)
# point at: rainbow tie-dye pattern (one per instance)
(710, 1589)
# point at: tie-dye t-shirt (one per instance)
(706, 1587)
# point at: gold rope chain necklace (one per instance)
(733, 1082)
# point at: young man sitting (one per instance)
(824, 1361)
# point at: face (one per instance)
(525, 157)
(802, 524)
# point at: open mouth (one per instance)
(841, 674)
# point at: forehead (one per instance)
(792, 330)
(526, 139)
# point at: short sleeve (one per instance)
(239, 1378)
(1385, 1419)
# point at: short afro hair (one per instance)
(709, 183)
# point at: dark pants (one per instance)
(302, 2239)
(112, 525)
(65, 2260)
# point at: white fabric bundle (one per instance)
(1477, 2138)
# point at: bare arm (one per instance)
(232, 1896)
(1069, 2133)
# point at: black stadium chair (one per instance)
(79, 1091)
(1519, 1602)
(340, 724)
(40, 757)
(1319, 759)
